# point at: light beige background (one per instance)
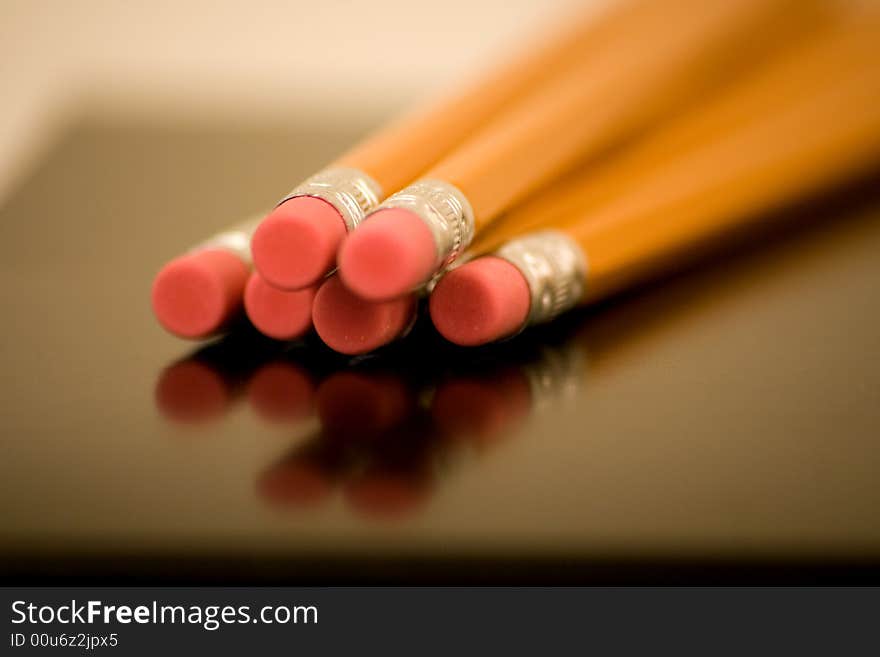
(234, 59)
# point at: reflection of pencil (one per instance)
(644, 72)
(282, 391)
(400, 471)
(306, 477)
(296, 244)
(744, 164)
(206, 383)
(191, 391)
(481, 407)
(354, 405)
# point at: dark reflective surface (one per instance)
(722, 424)
(390, 426)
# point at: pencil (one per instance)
(664, 57)
(825, 129)
(352, 325)
(295, 246)
(197, 294)
(747, 98)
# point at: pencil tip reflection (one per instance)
(304, 478)
(192, 391)
(400, 471)
(359, 405)
(282, 391)
(386, 434)
(388, 495)
(482, 406)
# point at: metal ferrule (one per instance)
(554, 268)
(236, 239)
(462, 259)
(352, 192)
(444, 209)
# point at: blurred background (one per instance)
(716, 425)
(234, 61)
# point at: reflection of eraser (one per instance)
(195, 295)
(358, 404)
(351, 325)
(387, 494)
(481, 301)
(282, 391)
(482, 407)
(390, 254)
(296, 483)
(192, 391)
(279, 314)
(295, 246)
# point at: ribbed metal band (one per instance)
(444, 209)
(352, 192)
(236, 239)
(460, 260)
(554, 268)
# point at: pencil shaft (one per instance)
(400, 152)
(662, 58)
(798, 145)
(792, 74)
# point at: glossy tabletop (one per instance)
(723, 423)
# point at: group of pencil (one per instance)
(624, 144)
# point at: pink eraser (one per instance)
(192, 391)
(484, 300)
(362, 405)
(279, 314)
(352, 325)
(195, 295)
(281, 392)
(295, 245)
(389, 255)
